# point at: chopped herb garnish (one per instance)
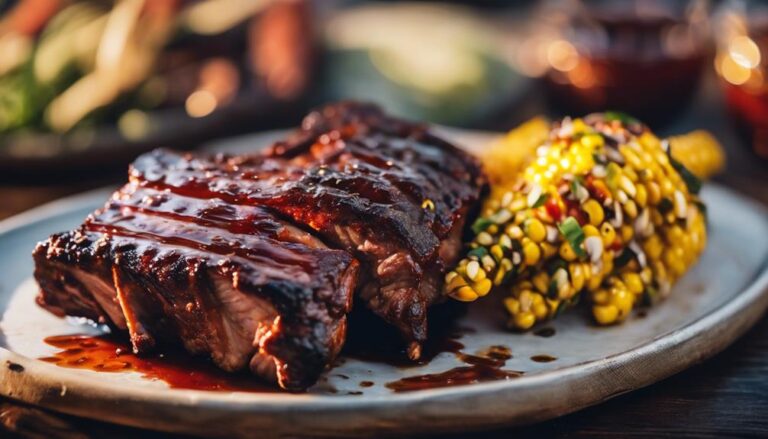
(481, 224)
(621, 117)
(574, 234)
(703, 209)
(552, 292)
(578, 181)
(665, 205)
(600, 160)
(692, 182)
(479, 252)
(541, 200)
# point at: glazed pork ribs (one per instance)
(229, 281)
(254, 259)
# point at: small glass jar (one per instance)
(742, 65)
(642, 57)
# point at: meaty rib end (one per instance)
(284, 318)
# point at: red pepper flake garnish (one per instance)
(553, 209)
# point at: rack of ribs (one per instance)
(254, 259)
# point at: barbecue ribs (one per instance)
(253, 259)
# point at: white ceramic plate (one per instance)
(714, 304)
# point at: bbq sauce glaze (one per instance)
(180, 370)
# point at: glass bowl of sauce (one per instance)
(742, 65)
(643, 57)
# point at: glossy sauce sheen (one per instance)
(485, 366)
(179, 370)
(182, 371)
(543, 358)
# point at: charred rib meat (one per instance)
(252, 259)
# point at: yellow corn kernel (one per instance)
(576, 272)
(535, 230)
(541, 281)
(526, 298)
(497, 252)
(699, 151)
(673, 258)
(548, 250)
(608, 234)
(627, 232)
(464, 294)
(512, 305)
(667, 188)
(654, 193)
(524, 320)
(594, 281)
(531, 253)
(605, 314)
(652, 247)
(594, 211)
(590, 230)
(483, 287)
(630, 208)
(592, 141)
(633, 282)
(641, 198)
(567, 252)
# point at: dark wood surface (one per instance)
(726, 396)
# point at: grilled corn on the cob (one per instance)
(604, 210)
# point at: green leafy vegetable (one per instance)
(481, 224)
(574, 234)
(479, 252)
(541, 200)
(552, 290)
(691, 181)
(621, 117)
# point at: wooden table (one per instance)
(725, 396)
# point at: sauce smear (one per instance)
(178, 369)
(485, 366)
(543, 358)
(545, 332)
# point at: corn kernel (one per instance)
(594, 211)
(524, 320)
(541, 281)
(567, 252)
(535, 230)
(605, 314)
(590, 230)
(608, 233)
(531, 253)
(465, 294)
(627, 232)
(633, 282)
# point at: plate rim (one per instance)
(748, 304)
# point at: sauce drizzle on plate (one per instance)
(178, 369)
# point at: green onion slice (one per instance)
(574, 234)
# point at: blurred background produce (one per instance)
(86, 85)
(85, 82)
